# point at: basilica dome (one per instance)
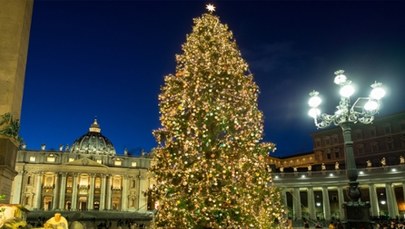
(93, 143)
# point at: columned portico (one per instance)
(17, 187)
(124, 197)
(90, 202)
(62, 191)
(109, 190)
(373, 200)
(56, 192)
(326, 204)
(311, 203)
(391, 201)
(74, 193)
(297, 204)
(38, 191)
(341, 200)
(102, 192)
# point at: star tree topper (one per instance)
(210, 8)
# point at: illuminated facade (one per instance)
(88, 176)
(314, 184)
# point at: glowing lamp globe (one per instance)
(371, 105)
(314, 112)
(314, 101)
(340, 79)
(378, 91)
(347, 90)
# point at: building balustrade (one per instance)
(374, 173)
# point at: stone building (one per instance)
(88, 177)
(15, 25)
(314, 184)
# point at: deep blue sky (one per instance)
(108, 59)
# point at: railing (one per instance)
(373, 174)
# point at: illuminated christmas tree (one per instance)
(210, 166)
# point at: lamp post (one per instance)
(362, 111)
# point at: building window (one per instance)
(372, 132)
(317, 142)
(327, 141)
(387, 129)
(133, 164)
(97, 182)
(117, 183)
(48, 181)
(84, 180)
(374, 147)
(50, 159)
(117, 162)
(335, 139)
(403, 140)
(328, 154)
(337, 153)
(32, 159)
(390, 145)
(29, 180)
(360, 149)
(71, 159)
(99, 161)
(69, 182)
(359, 134)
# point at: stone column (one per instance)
(373, 200)
(55, 192)
(391, 201)
(17, 188)
(124, 196)
(38, 191)
(74, 193)
(403, 188)
(15, 19)
(284, 197)
(90, 201)
(311, 203)
(143, 187)
(102, 194)
(326, 203)
(341, 200)
(62, 192)
(109, 192)
(297, 204)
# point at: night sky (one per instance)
(108, 59)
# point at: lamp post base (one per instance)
(357, 215)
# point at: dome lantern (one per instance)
(93, 142)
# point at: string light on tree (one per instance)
(210, 165)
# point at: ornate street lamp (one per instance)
(362, 111)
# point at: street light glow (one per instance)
(371, 105)
(340, 79)
(347, 90)
(345, 116)
(314, 112)
(314, 101)
(378, 91)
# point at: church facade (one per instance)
(87, 177)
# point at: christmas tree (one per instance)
(210, 166)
